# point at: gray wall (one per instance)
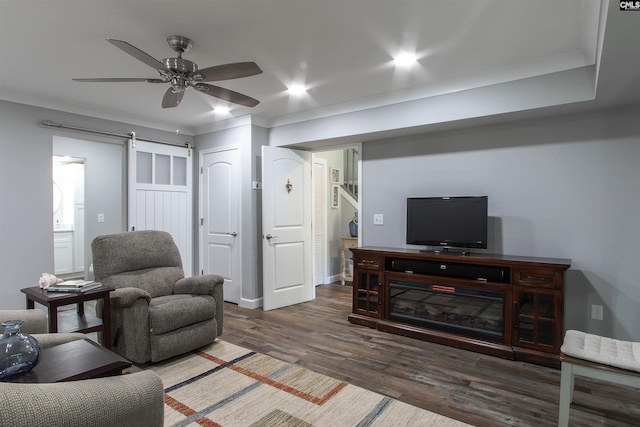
(564, 187)
(26, 199)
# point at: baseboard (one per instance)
(334, 278)
(250, 303)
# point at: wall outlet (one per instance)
(378, 219)
(100, 217)
(596, 312)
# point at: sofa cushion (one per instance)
(168, 313)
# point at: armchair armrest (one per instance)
(134, 399)
(50, 340)
(198, 285)
(126, 297)
(33, 321)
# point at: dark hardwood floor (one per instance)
(477, 389)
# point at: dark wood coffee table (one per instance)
(76, 360)
(83, 322)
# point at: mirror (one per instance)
(57, 197)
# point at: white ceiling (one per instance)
(341, 50)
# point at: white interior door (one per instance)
(160, 193)
(286, 223)
(220, 252)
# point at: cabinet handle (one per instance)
(364, 261)
(539, 278)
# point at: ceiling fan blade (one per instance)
(229, 71)
(138, 54)
(226, 94)
(172, 98)
(121, 80)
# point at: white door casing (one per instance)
(320, 252)
(286, 223)
(220, 251)
(160, 193)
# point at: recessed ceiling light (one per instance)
(297, 89)
(405, 59)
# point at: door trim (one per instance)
(323, 179)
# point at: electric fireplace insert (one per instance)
(470, 312)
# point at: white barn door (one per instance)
(160, 193)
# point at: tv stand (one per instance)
(506, 306)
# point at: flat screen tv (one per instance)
(449, 222)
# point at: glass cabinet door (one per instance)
(536, 323)
(368, 293)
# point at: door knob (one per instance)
(269, 237)
(234, 234)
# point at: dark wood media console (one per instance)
(506, 306)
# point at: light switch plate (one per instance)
(378, 219)
(100, 217)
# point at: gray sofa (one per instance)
(135, 399)
(156, 312)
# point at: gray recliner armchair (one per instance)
(156, 312)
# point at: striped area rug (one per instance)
(227, 385)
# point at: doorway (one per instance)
(340, 179)
(68, 176)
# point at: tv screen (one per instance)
(457, 222)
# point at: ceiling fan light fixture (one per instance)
(178, 84)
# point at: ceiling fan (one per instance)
(183, 74)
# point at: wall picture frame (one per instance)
(335, 175)
(335, 196)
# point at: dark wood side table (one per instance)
(85, 323)
(72, 361)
